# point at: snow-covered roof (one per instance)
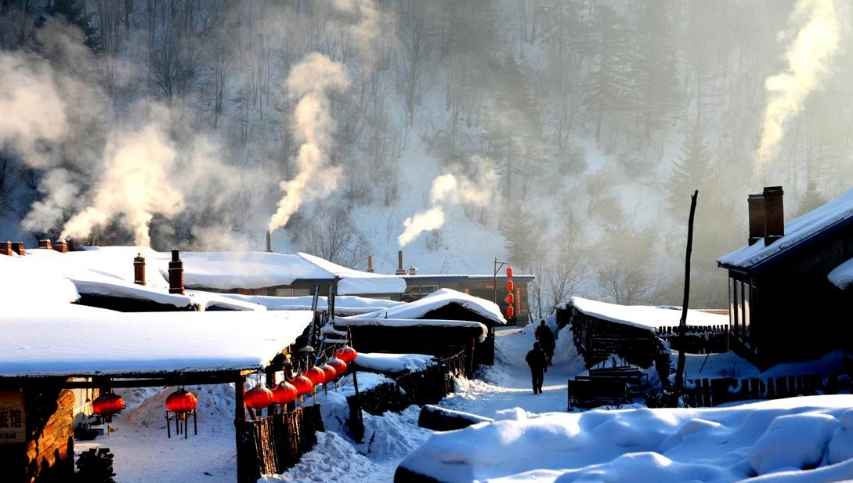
(436, 300)
(354, 282)
(344, 304)
(465, 276)
(28, 283)
(73, 340)
(394, 363)
(842, 275)
(382, 322)
(797, 231)
(645, 316)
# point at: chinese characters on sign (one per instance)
(12, 418)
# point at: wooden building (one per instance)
(783, 304)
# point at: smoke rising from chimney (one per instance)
(808, 58)
(311, 81)
(453, 188)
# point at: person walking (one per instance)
(546, 340)
(538, 365)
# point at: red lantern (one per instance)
(316, 375)
(510, 312)
(258, 397)
(181, 401)
(284, 393)
(302, 384)
(107, 404)
(510, 286)
(330, 372)
(339, 365)
(346, 354)
(510, 298)
(509, 272)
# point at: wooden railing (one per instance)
(713, 392)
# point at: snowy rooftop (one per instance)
(645, 316)
(797, 231)
(71, 340)
(344, 304)
(383, 322)
(436, 300)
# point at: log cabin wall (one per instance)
(47, 455)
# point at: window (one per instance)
(415, 290)
(733, 305)
(425, 289)
(747, 289)
(284, 292)
(301, 292)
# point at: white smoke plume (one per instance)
(808, 58)
(311, 81)
(370, 22)
(135, 185)
(453, 188)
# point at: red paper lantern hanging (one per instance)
(284, 393)
(346, 354)
(107, 404)
(510, 312)
(510, 286)
(302, 384)
(316, 375)
(258, 397)
(181, 401)
(509, 272)
(510, 298)
(339, 365)
(330, 372)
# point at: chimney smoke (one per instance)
(176, 273)
(139, 269)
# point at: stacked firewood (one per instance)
(95, 466)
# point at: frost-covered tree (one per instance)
(810, 200)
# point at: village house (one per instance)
(789, 287)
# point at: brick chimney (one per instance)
(413, 270)
(6, 247)
(45, 244)
(756, 217)
(774, 214)
(370, 264)
(400, 269)
(176, 273)
(139, 269)
(269, 241)
(61, 246)
(18, 247)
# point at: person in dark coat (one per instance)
(546, 339)
(538, 365)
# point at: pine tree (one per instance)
(810, 200)
(608, 85)
(655, 67)
(524, 236)
(691, 172)
(74, 15)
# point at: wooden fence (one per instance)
(427, 386)
(275, 443)
(713, 392)
(698, 340)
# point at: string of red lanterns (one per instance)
(510, 297)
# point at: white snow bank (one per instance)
(354, 282)
(344, 305)
(382, 322)
(796, 231)
(673, 445)
(645, 316)
(436, 300)
(842, 275)
(83, 341)
(394, 363)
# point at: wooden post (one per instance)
(682, 326)
(239, 422)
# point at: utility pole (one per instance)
(682, 326)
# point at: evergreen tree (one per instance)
(608, 84)
(655, 66)
(524, 236)
(73, 13)
(810, 200)
(691, 172)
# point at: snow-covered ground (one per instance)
(663, 445)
